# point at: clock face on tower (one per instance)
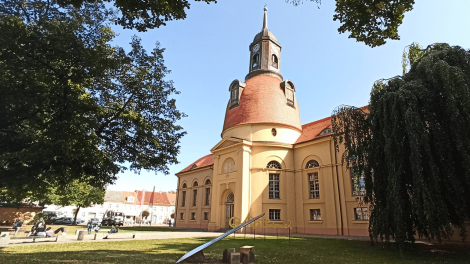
(256, 48)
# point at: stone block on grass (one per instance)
(247, 254)
(226, 253)
(234, 258)
(4, 241)
(98, 236)
(81, 235)
(60, 238)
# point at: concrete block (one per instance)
(247, 254)
(60, 238)
(4, 240)
(98, 236)
(234, 258)
(226, 253)
(81, 234)
(137, 235)
(4, 234)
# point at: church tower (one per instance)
(265, 52)
(263, 108)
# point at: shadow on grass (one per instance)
(298, 250)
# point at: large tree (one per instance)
(413, 146)
(74, 107)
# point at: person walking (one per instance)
(89, 226)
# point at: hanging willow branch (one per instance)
(413, 148)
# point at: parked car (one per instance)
(58, 221)
(95, 221)
(80, 221)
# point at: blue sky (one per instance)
(209, 49)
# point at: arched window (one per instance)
(274, 165)
(312, 164)
(193, 167)
(230, 198)
(274, 61)
(255, 60)
(208, 182)
(195, 184)
(184, 185)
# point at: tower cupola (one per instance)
(265, 53)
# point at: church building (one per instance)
(268, 162)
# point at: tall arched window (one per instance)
(208, 182)
(195, 184)
(312, 164)
(274, 61)
(230, 198)
(274, 165)
(255, 62)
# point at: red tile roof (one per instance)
(159, 198)
(202, 162)
(127, 194)
(312, 130)
(263, 101)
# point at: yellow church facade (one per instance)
(267, 162)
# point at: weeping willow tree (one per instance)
(412, 146)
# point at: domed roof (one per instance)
(264, 33)
(263, 101)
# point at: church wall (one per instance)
(263, 132)
(189, 178)
(227, 173)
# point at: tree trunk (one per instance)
(76, 213)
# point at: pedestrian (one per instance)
(169, 223)
(97, 228)
(89, 226)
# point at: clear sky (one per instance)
(209, 49)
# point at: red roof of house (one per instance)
(127, 194)
(159, 197)
(202, 162)
(263, 101)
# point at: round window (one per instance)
(274, 132)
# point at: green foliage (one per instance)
(73, 107)
(145, 213)
(414, 147)
(45, 217)
(369, 21)
(143, 15)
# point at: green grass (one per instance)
(71, 229)
(298, 250)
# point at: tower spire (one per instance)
(265, 20)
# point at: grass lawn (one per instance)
(71, 229)
(298, 250)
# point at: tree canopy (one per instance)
(74, 107)
(369, 21)
(413, 146)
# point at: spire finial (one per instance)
(265, 20)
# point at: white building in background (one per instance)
(128, 203)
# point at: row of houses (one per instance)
(131, 204)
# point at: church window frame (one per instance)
(312, 164)
(274, 165)
(274, 214)
(194, 197)
(208, 194)
(358, 188)
(274, 183)
(289, 92)
(183, 199)
(314, 185)
(255, 61)
(274, 61)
